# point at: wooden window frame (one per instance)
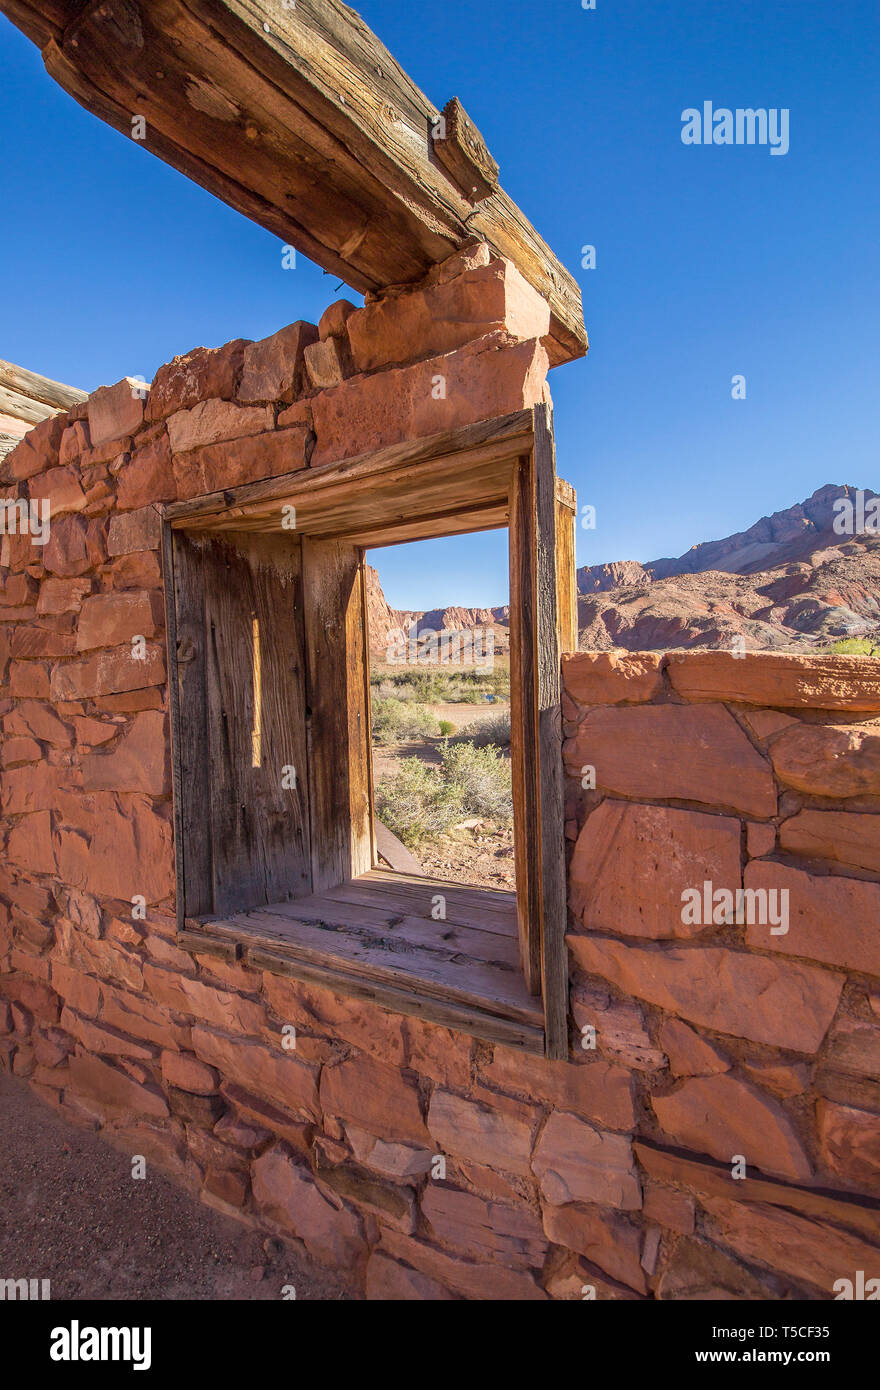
(496, 474)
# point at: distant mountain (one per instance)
(788, 582)
(384, 620)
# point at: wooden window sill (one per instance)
(373, 937)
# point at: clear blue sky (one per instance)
(711, 261)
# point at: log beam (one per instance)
(302, 120)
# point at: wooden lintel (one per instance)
(301, 119)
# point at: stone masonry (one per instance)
(694, 1044)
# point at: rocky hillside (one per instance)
(789, 581)
(384, 619)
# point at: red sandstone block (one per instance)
(212, 421)
(96, 1038)
(499, 1136)
(217, 1007)
(483, 1230)
(850, 1143)
(37, 451)
(843, 836)
(466, 1278)
(811, 1252)
(477, 382)
(611, 678)
(74, 442)
(187, 1074)
(607, 1240)
(689, 1054)
(106, 620)
(787, 680)
(116, 411)
(723, 1116)
(110, 670)
(576, 1163)
(29, 680)
(66, 551)
(325, 364)
(34, 995)
(669, 1208)
(365, 1026)
(29, 789)
(142, 1018)
(286, 1193)
(137, 570)
(441, 317)
(374, 1097)
(829, 760)
(123, 850)
(219, 466)
(673, 752)
(831, 919)
(632, 864)
(199, 375)
(280, 1077)
(438, 1053)
(77, 990)
(390, 1281)
(30, 843)
(39, 719)
(782, 1003)
(137, 530)
(112, 1089)
(60, 489)
(273, 368)
(760, 839)
(597, 1090)
(147, 476)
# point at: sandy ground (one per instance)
(71, 1212)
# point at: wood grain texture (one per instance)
(566, 574)
(18, 381)
(302, 120)
(337, 713)
(550, 848)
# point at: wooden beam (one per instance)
(19, 382)
(302, 120)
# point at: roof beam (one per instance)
(302, 120)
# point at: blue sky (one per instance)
(711, 262)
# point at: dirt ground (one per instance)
(71, 1212)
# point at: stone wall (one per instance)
(420, 1161)
(724, 819)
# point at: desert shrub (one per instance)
(418, 803)
(490, 731)
(481, 776)
(395, 721)
(446, 728)
(855, 646)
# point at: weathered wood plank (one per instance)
(491, 988)
(523, 719)
(301, 119)
(337, 715)
(20, 381)
(445, 1012)
(259, 791)
(394, 851)
(550, 845)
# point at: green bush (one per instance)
(482, 778)
(446, 728)
(418, 803)
(395, 722)
(855, 646)
(495, 730)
